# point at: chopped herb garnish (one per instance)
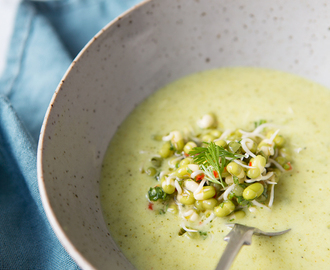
(235, 179)
(215, 157)
(156, 193)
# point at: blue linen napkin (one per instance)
(46, 38)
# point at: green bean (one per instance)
(252, 146)
(182, 172)
(229, 179)
(259, 161)
(189, 146)
(238, 215)
(224, 209)
(166, 150)
(265, 148)
(253, 191)
(199, 205)
(207, 192)
(279, 141)
(208, 138)
(221, 143)
(216, 186)
(190, 185)
(277, 172)
(285, 152)
(253, 173)
(209, 204)
(234, 169)
(276, 175)
(173, 162)
(187, 198)
(178, 145)
(151, 171)
(224, 174)
(172, 208)
(235, 136)
(185, 161)
(281, 160)
(168, 187)
(215, 133)
(234, 147)
(238, 191)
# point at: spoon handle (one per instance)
(233, 247)
(238, 236)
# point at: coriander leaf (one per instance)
(156, 193)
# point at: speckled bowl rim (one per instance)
(57, 228)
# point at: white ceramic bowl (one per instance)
(146, 48)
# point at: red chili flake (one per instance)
(150, 206)
(250, 163)
(186, 155)
(215, 173)
(199, 177)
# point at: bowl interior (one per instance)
(146, 48)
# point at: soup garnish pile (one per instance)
(206, 173)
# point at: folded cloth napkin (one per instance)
(46, 37)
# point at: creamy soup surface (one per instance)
(238, 97)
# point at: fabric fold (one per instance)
(46, 37)
(24, 228)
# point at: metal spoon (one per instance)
(239, 235)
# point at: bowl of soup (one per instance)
(159, 68)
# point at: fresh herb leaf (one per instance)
(209, 175)
(242, 201)
(213, 158)
(235, 179)
(156, 193)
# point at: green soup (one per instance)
(238, 97)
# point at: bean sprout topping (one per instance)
(211, 173)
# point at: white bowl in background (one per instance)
(144, 49)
